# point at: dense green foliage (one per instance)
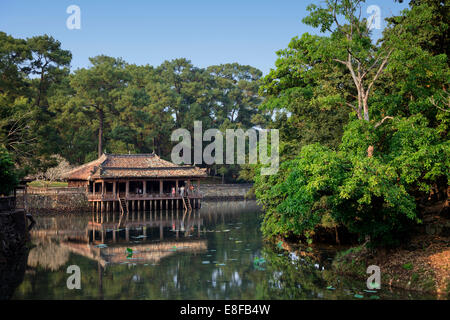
(112, 106)
(394, 151)
(8, 175)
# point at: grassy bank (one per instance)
(47, 184)
(422, 265)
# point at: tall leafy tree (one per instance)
(98, 89)
(236, 87)
(380, 174)
(8, 175)
(192, 87)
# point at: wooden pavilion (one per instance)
(137, 182)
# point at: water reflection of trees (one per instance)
(55, 237)
(224, 235)
(169, 276)
(48, 254)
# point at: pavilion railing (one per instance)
(109, 196)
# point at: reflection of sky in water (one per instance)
(219, 255)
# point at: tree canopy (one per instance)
(386, 103)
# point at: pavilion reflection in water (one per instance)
(148, 236)
(151, 236)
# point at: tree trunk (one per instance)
(370, 151)
(100, 132)
(337, 235)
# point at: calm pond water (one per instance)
(216, 252)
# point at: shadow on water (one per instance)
(216, 252)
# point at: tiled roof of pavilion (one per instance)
(110, 166)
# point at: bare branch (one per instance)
(334, 15)
(433, 102)
(381, 122)
(341, 61)
(371, 67)
(379, 72)
(352, 106)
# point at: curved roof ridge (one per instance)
(131, 155)
(133, 165)
(83, 166)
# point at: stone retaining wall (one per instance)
(56, 202)
(225, 191)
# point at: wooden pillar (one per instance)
(144, 187)
(198, 221)
(127, 189)
(145, 205)
(176, 187)
(93, 188)
(160, 187)
(103, 187)
(198, 187)
(25, 198)
(114, 189)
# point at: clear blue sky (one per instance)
(149, 32)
